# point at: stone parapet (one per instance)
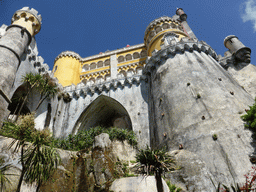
(182, 46)
(83, 90)
(29, 19)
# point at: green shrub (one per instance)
(250, 117)
(172, 187)
(84, 139)
(151, 160)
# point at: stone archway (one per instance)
(103, 111)
(16, 101)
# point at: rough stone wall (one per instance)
(12, 45)
(130, 93)
(193, 97)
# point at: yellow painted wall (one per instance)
(68, 70)
(156, 42)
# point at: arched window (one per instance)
(107, 62)
(143, 53)
(165, 26)
(85, 68)
(128, 57)
(173, 26)
(120, 59)
(136, 55)
(92, 66)
(158, 29)
(100, 64)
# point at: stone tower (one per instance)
(194, 101)
(25, 24)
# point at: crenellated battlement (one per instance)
(29, 19)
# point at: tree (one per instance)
(47, 88)
(45, 85)
(22, 133)
(41, 160)
(155, 161)
(250, 117)
(31, 81)
(38, 160)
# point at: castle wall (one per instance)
(132, 94)
(193, 99)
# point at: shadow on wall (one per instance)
(16, 102)
(103, 111)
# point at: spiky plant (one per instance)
(4, 176)
(41, 160)
(156, 162)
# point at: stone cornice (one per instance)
(82, 90)
(182, 46)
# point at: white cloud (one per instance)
(249, 12)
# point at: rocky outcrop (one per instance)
(137, 184)
(108, 167)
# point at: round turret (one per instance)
(155, 31)
(67, 68)
(29, 19)
(237, 48)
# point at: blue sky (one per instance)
(92, 26)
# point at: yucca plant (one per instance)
(41, 161)
(4, 176)
(156, 162)
(31, 81)
(47, 88)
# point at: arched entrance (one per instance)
(16, 102)
(106, 112)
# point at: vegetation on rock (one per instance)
(37, 159)
(84, 139)
(173, 187)
(155, 162)
(248, 186)
(4, 175)
(250, 117)
(45, 86)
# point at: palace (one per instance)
(172, 89)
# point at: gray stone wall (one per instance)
(131, 93)
(193, 98)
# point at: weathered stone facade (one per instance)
(172, 90)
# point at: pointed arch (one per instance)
(16, 103)
(103, 111)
